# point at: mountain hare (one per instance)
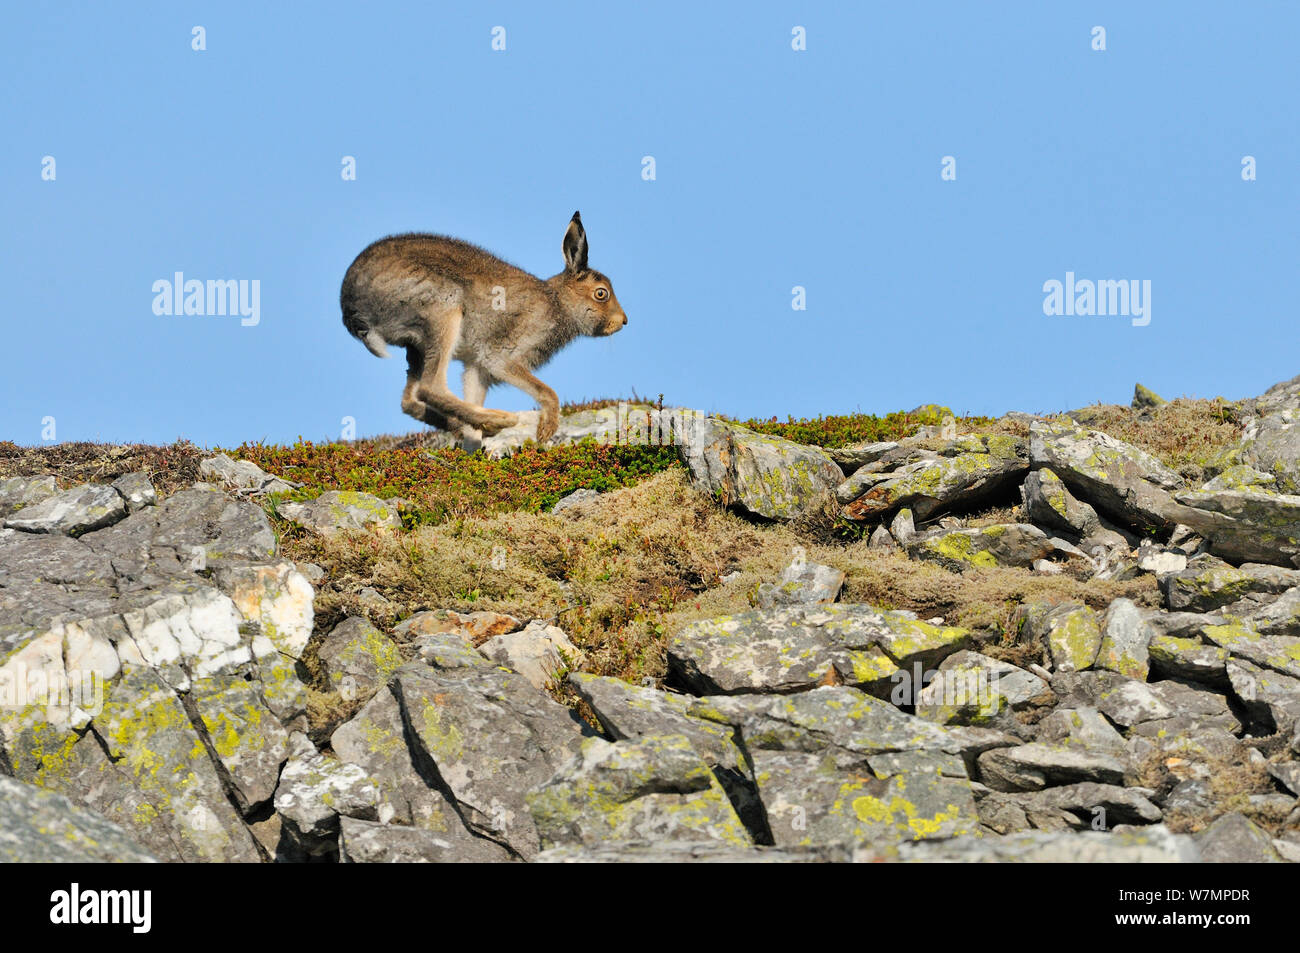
(444, 299)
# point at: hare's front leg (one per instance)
(474, 386)
(518, 376)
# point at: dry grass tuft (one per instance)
(625, 572)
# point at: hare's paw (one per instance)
(546, 427)
(495, 421)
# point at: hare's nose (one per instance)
(624, 320)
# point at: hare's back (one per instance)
(443, 255)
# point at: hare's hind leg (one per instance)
(443, 334)
(411, 403)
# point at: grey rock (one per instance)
(973, 689)
(630, 713)
(1278, 652)
(1245, 525)
(41, 827)
(971, 469)
(1271, 443)
(1050, 504)
(693, 852)
(1189, 659)
(881, 539)
(315, 791)
(72, 512)
(855, 457)
(488, 734)
(1279, 617)
(1233, 839)
(1160, 560)
(242, 475)
(338, 511)
(842, 718)
(1003, 544)
(1242, 477)
(1110, 803)
(576, 498)
(1035, 766)
(368, 842)
(1153, 844)
(1267, 696)
(248, 741)
(358, 658)
(1083, 727)
(166, 539)
(1125, 701)
(652, 789)
(538, 652)
(1193, 796)
(147, 742)
(375, 740)
(136, 491)
(798, 647)
(1124, 482)
(1209, 583)
(1287, 772)
(1144, 398)
(903, 526)
(1125, 637)
(763, 475)
(20, 492)
(817, 798)
(1070, 632)
(802, 583)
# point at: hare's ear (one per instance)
(575, 245)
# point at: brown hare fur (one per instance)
(444, 299)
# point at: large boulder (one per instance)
(1209, 583)
(1245, 525)
(1001, 544)
(631, 712)
(760, 474)
(147, 668)
(656, 788)
(970, 469)
(973, 689)
(72, 512)
(1050, 504)
(486, 733)
(1124, 482)
(820, 798)
(796, 648)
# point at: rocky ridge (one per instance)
(153, 698)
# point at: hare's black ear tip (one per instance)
(577, 217)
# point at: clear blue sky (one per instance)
(775, 168)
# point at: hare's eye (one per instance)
(601, 294)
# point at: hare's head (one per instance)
(586, 296)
